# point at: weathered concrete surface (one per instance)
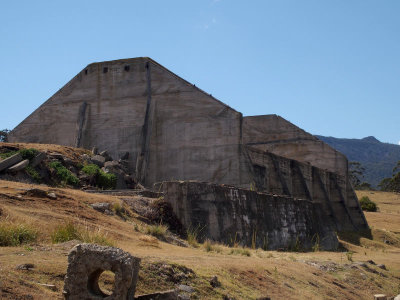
(282, 176)
(275, 134)
(86, 262)
(228, 214)
(19, 166)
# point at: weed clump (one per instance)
(209, 246)
(159, 230)
(240, 251)
(70, 231)
(16, 234)
(63, 173)
(192, 237)
(367, 204)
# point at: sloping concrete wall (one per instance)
(275, 134)
(282, 176)
(171, 129)
(231, 215)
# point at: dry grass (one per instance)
(278, 275)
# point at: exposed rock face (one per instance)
(86, 262)
(228, 214)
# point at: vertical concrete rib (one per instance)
(143, 158)
(79, 123)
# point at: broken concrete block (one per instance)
(106, 155)
(98, 160)
(38, 159)
(86, 262)
(101, 207)
(19, 166)
(95, 151)
(379, 297)
(10, 161)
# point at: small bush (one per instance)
(367, 204)
(63, 173)
(70, 231)
(106, 180)
(103, 180)
(16, 234)
(158, 231)
(28, 153)
(91, 169)
(65, 233)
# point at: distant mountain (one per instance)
(376, 157)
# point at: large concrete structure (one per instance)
(175, 131)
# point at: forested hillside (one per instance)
(376, 157)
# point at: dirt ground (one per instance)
(344, 274)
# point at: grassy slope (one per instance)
(278, 275)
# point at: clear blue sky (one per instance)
(330, 67)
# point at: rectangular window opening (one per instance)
(105, 69)
(126, 68)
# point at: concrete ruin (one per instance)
(175, 131)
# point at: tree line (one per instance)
(390, 184)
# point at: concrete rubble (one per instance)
(86, 262)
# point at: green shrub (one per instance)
(103, 180)
(70, 231)
(367, 204)
(31, 171)
(106, 180)
(91, 169)
(16, 234)
(28, 153)
(63, 173)
(158, 230)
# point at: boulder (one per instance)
(10, 161)
(102, 207)
(106, 155)
(38, 159)
(98, 160)
(19, 166)
(86, 262)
